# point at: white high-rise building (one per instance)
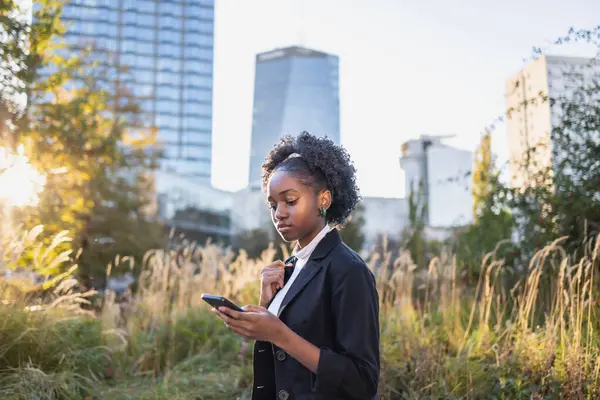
(444, 172)
(529, 124)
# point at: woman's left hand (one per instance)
(256, 323)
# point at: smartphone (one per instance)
(220, 301)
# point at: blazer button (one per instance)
(283, 395)
(280, 355)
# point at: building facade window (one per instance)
(167, 49)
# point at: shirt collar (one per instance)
(305, 252)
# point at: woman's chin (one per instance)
(288, 236)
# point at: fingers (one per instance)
(272, 275)
(245, 323)
(278, 264)
(230, 321)
(268, 280)
(241, 332)
(267, 271)
(232, 313)
(222, 316)
(249, 314)
(255, 309)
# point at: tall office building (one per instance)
(530, 125)
(167, 47)
(444, 173)
(295, 89)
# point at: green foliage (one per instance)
(196, 332)
(196, 380)
(45, 354)
(452, 343)
(253, 242)
(559, 195)
(76, 129)
(483, 173)
(352, 233)
(34, 266)
(414, 235)
(493, 222)
(562, 198)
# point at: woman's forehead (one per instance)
(282, 182)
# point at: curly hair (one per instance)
(322, 165)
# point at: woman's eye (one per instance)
(272, 206)
(291, 202)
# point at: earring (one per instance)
(323, 212)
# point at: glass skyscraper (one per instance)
(295, 89)
(167, 46)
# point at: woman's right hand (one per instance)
(271, 281)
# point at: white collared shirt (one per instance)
(302, 255)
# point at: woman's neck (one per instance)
(305, 241)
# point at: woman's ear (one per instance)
(325, 199)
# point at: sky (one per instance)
(407, 68)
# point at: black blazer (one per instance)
(333, 303)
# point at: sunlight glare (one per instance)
(20, 182)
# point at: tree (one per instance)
(253, 241)
(414, 235)
(492, 218)
(562, 198)
(482, 175)
(352, 233)
(76, 128)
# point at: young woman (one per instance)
(317, 326)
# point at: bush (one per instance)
(49, 355)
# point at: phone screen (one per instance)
(220, 301)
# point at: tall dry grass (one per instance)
(492, 340)
(50, 346)
(440, 338)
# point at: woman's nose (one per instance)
(280, 213)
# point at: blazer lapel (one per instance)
(286, 276)
(311, 268)
(304, 277)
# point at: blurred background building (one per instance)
(445, 175)
(383, 216)
(295, 89)
(531, 123)
(166, 48)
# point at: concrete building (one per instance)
(384, 216)
(249, 211)
(194, 208)
(444, 173)
(295, 89)
(530, 124)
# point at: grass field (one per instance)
(440, 339)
